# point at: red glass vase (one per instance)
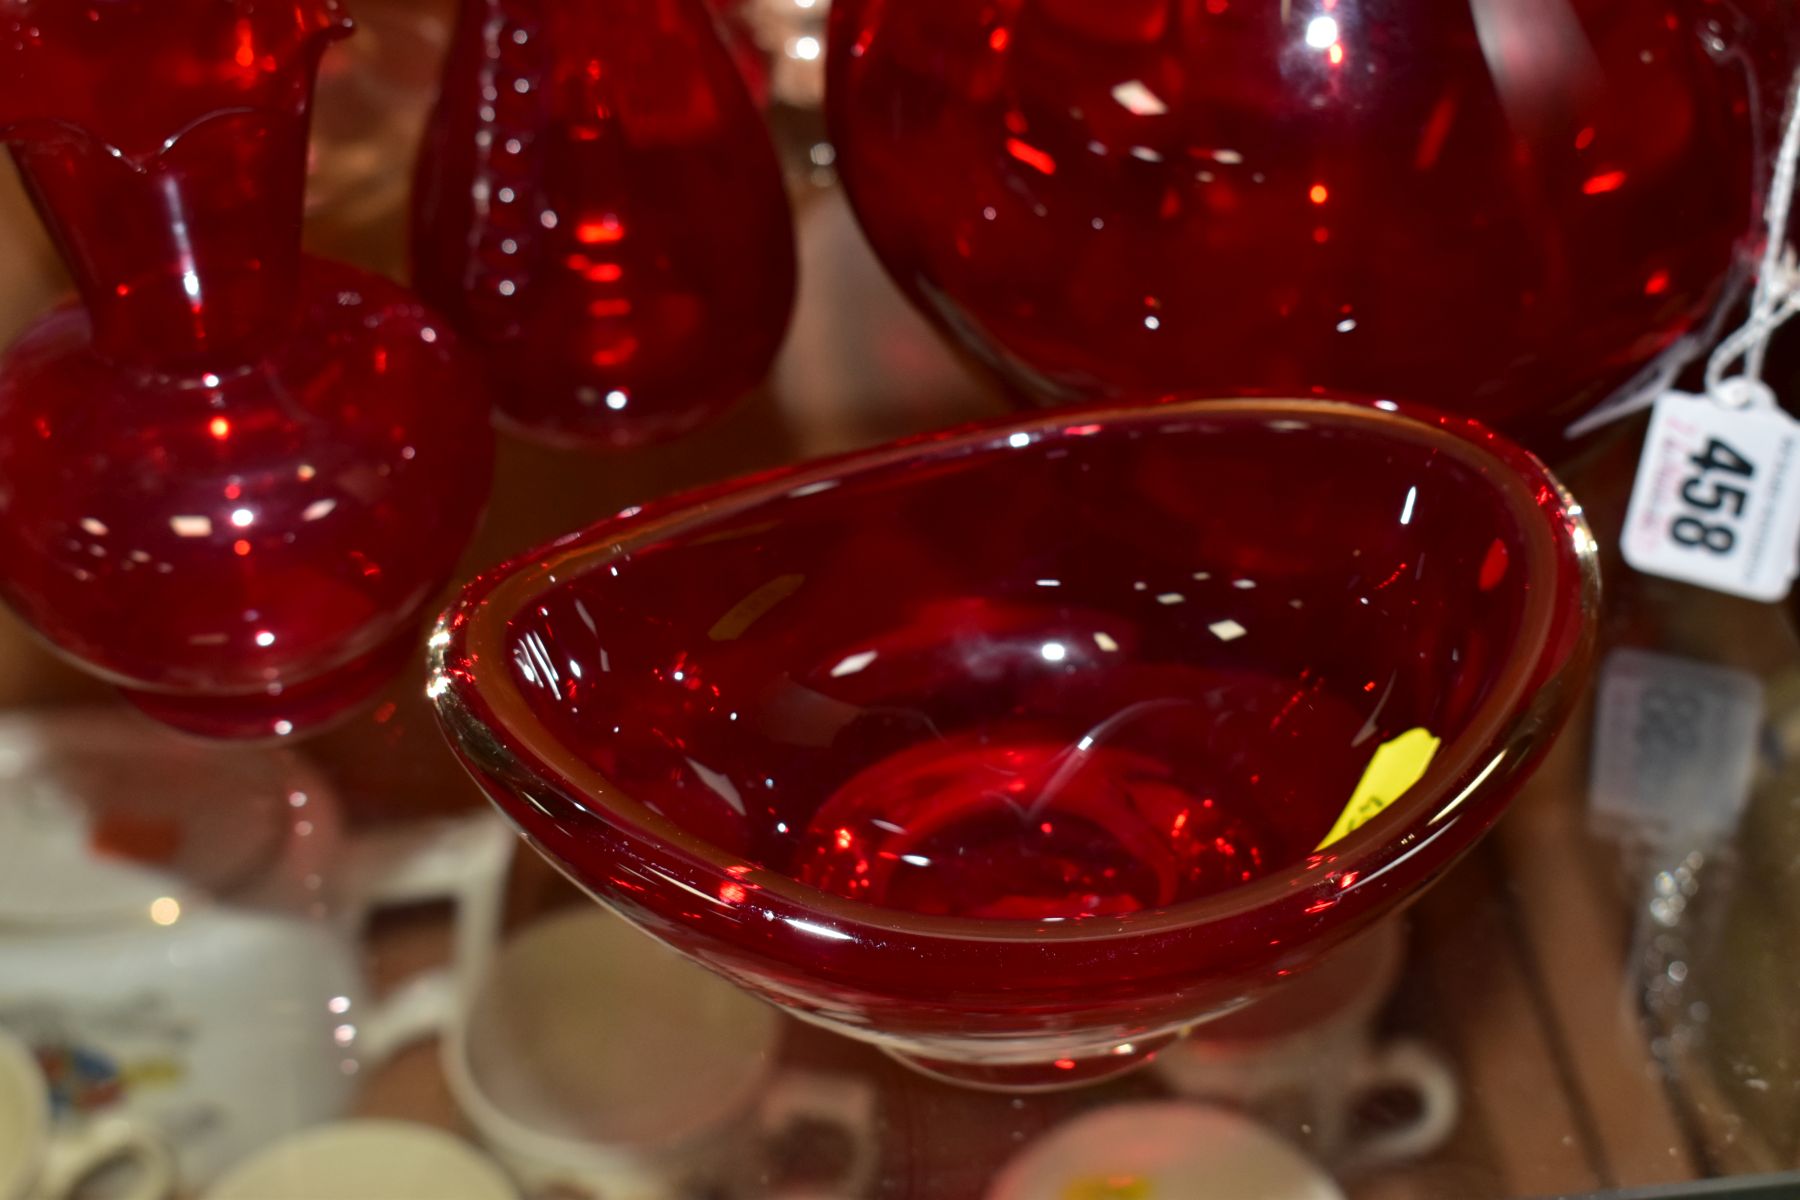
(1020, 797)
(1506, 209)
(598, 207)
(230, 476)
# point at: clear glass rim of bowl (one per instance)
(1521, 708)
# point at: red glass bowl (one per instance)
(1459, 201)
(1011, 749)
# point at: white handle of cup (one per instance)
(421, 1007)
(463, 861)
(1411, 1066)
(76, 1154)
(843, 1102)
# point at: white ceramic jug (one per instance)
(178, 930)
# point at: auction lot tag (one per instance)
(1717, 497)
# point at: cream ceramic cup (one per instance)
(41, 1162)
(366, 1160)
(597, 1064)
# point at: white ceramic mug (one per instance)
(1307, 1070)
(366, 1160)
(1310, 1088)
(39, 1161)
(596, 1063)
(179, 929)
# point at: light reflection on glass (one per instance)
(1321, 32)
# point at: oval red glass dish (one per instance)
(1012, 749)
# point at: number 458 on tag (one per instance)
(1717, 497)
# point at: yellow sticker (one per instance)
(1109, 1187)
(1396, 765)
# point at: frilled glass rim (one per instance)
(1509, 722)
(320, 22)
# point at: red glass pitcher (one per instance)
(231, 476)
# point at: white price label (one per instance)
(1674, 745)
(1717, 497)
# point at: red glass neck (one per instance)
(164, 146)
(183, 262)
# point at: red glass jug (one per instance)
(230, 476)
